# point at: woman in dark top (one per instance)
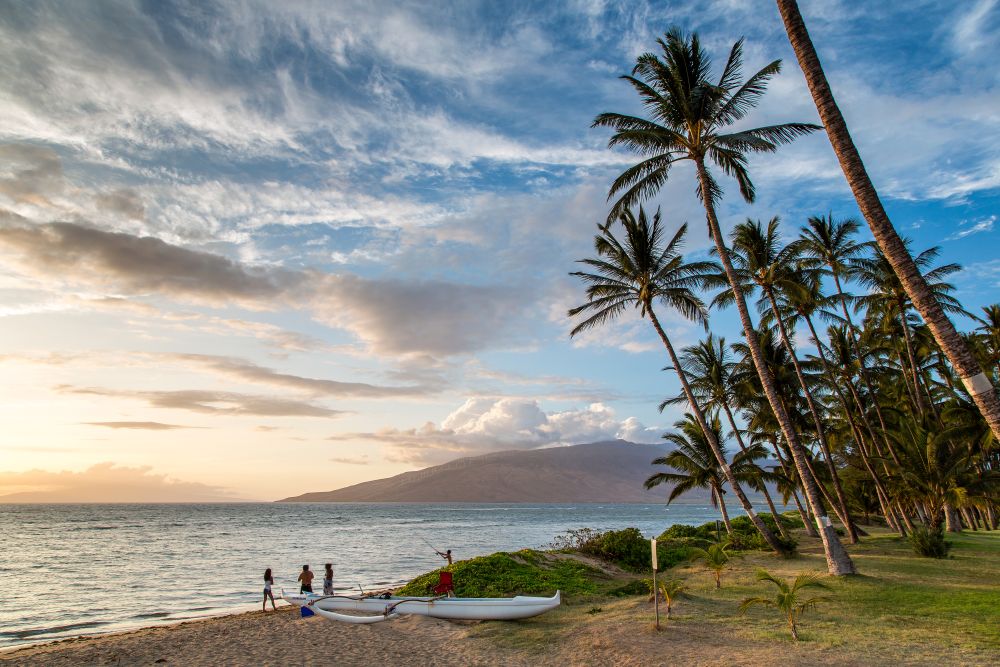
(268, 582)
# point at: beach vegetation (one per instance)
(788, 600)
(502, 574)
(671, 590)
(715, 557)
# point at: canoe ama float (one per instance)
(456, 609)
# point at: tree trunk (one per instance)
(862, 368)
(838, 561)
(948, 339)
(769, 537)
(791, 626)
(952, 523)
(742, 446)
(840, 507)
(910, 356)
(717, 492)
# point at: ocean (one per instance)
(70, 570)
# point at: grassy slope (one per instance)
(901, 610)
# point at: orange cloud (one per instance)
(105, 483)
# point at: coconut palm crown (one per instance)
(689, 117)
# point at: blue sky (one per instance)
(253, 249)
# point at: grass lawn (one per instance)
(900, 609)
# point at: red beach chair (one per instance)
(445, 584)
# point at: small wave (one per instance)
(33, 632)
(153, 614)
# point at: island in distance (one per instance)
(601, 472)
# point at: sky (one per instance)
(254, 249)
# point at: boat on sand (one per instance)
(375, 609)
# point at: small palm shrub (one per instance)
(716, 559)
(787, 600)
(671, 589)
(929, 542)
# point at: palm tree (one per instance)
(691, 114)
(989, 332)
(671, 590)
(710, 369)
(829, 246)
(716, 559)
(888, 299)
(920, 293)
(759, 260)
(787, 600)
(636, 273)
(694, 464)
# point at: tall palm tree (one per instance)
(710, 370)
(694, 464)
(950, 341)
(691, 114)
(888, 298)
(760, 261)
(829, 246)
(637, 272)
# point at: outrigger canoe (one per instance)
(377, 609)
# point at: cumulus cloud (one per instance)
(105, 483)
(483, 425)
(213, 402)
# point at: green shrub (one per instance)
(929, 543)
(505, 574)
(679, 530)
(626, 548)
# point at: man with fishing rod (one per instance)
(446, 555)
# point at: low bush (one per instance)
(929, 543)
(504, 574)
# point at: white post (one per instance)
(656, 591)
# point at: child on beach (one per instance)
(328, 580)
(306, 578)
(268, 582)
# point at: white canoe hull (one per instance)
(466, 609)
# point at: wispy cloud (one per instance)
(141, 426)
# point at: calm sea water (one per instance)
(70, 570)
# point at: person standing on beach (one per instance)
(268, 582)
(328, 580)
(306, 579)
(446, 555)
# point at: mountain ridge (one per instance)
(609, 471)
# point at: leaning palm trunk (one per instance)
(717, 493)
(743, 448)
(769, 537)
(838, 561)
(840, 506)
(863, 370)
(948, 339)
(855, 430)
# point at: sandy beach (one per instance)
(621, 634)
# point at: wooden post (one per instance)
(656, 591)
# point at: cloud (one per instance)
(973, 227)
(436, 318)
(105, 483)
(245, 370)
(363, 461)
(30, 174)
(146, 426)
(135, 265)
(213, 402)
(484, 425)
